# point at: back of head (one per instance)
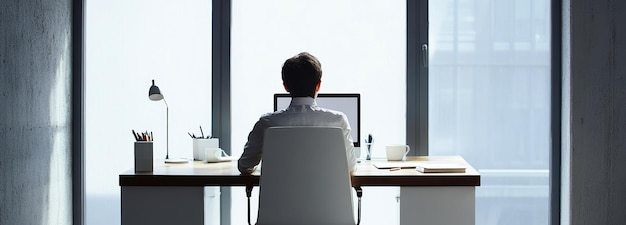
(301, 74)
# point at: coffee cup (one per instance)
(397, 152)
(214, 155)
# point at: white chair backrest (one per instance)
(305, 178)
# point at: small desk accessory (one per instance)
(368, 144)
(155, 95)
(201, 143)
(143, 151)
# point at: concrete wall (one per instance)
(598, 112)
(35, 120)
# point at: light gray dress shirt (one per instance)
(303, 111)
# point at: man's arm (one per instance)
(349, 145)
(350, 154)
(251, 156)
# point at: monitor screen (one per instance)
(349, 104)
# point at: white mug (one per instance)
(397, 152)
(214, 154)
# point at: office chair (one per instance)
(305, 178)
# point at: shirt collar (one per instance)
(302, 101)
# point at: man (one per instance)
(301, 76)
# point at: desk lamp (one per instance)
(155, 95)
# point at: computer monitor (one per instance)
(349, 104)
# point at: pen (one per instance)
(201, 132)
(395, 168)
(370, 139)
(135, 136)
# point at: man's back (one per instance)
(301, 112)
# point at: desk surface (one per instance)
(226, 174)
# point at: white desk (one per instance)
(174, 193)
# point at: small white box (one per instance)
(143, 156)
(201, 144)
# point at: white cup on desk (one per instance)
(397, 152)
(214, 155)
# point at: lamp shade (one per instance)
(155, 93)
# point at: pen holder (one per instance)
(368, 149)
(201, 144)
(143, 156)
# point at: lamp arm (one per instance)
(167, 130)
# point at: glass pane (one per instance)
(489, 101)
(359, 53)
(129, 43)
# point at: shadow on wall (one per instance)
(35, 121)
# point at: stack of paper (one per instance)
(390, 165)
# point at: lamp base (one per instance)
(176, 161)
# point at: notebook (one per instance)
(440, 168)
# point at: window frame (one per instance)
(417, 77)
(417, 95)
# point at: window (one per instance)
(489, 86)
(358, 51)
(128, 43)
(489, 101)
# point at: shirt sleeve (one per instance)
(251, 156)
(349, 145)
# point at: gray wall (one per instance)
(598, 112)
(35, 104)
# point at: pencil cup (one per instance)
(368, 148)
(143, 156)
(201, 144)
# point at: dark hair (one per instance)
(301, 74)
